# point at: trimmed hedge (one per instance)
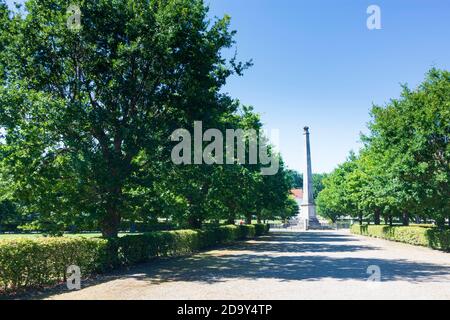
(420, 236)
(261, 229)
(140, 248)
(43, 261)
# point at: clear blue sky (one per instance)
(317, 64)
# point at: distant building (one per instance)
(298, 196)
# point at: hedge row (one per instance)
(141, 248)
(428, 237)
(43, 261)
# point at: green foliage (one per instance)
(403, 171)
(9, 216)
(337, 197)
(318, 183)
(79, 108)
(416, 235)
(134, 249)
(87, 117)
(290, 210)
(296, 179)
(246, 232)
(261, 229)
(44, 261)
(439, 238)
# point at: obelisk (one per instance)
(308, 208)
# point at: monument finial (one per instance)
(306, 129)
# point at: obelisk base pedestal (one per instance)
(308, 212)
(314, 224)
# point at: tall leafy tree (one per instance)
(415, 134)
(80, 107)
(403, 169)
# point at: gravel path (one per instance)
(285, 265)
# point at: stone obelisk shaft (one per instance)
(308, 207)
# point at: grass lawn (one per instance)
(86, 235)
(39, 235)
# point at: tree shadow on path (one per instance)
(282, 256)
(269, 258)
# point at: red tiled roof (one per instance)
(298, 193)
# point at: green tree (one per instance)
(318, 183)
(340, 192)
(80, 107)
(403, 169)
(296, 178)
(412, 133)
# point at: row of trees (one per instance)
(86, 118)
(297, 181)
(403, 171)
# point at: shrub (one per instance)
(246, 232)
(261, 229)
(44, 261)
(439, 238)
(38, 262)
(228, 234)
(146, 226)
(416, 235)
(139, 248)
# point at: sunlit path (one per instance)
(289, 265)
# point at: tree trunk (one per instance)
(360, 218)
(111, 223)
(195, 213)
(405, 218)
(386, 220)
(377, 217)
(440, 222)
(390, 221)
(449, 221)
(230, 220)
(194, 223)
(248, 219)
